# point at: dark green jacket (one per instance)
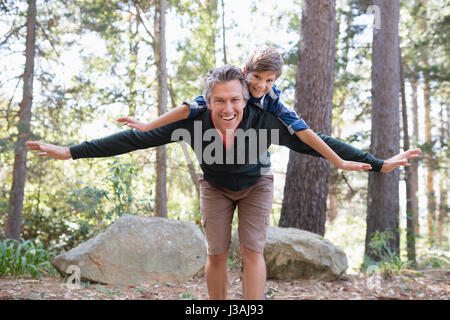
(236, 169)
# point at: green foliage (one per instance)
(348, 232)
(120, 179)
(390, 263)
(434, 258)
(187, 296)
(24, 258)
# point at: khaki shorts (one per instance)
(218, 204)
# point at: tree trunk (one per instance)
(414, 162)
(14, 221)
(133, 45)
(160, 54)
(306, 187)
(192, 172)
(223, 34)
(383, 189)
(443, 182)
(410, 204)
(340, 100)
(429, 162)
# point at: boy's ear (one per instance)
(244, 70)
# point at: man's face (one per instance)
(227, 105)
(260, 82)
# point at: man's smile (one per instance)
(228, 118)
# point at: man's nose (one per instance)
(228, 106)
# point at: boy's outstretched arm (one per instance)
(177, 114)
(311, 139)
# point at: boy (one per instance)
(261, 70)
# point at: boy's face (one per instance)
(260, 82)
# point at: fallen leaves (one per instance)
(410, 285)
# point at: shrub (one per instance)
(24, 257)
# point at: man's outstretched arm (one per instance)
(112, 145)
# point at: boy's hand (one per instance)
(400, 160)
(354, 166)
(132, 123)
(49, 150)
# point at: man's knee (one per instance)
(250, 255)
(218, 260)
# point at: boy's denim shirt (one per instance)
(270, 102)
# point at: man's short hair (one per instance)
(224, 74)
(265, 59)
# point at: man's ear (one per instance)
(244, 70)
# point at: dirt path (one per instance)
(430, 284)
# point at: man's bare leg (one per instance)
(400, 160)
(254, 278)
(217, 276)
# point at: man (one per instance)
(236, 171)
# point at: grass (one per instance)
(24, 258)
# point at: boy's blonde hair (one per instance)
(265, 59)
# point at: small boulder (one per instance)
(136, 249)
(291, 253)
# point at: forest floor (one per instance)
(432, 284)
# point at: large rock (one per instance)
(291, 253)
(136, 249)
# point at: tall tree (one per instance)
(410, 204)
(429, 158)
(443, 182)
(414, 163)
(133, 44)
(160, 55)
(383, 189)
(224, 46)
(306, 186)
(14, 221)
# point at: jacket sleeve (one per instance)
(126, 141)
(342, 149)
(196, 106)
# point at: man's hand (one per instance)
(132, 123)
(354, 166)
(49, 150)
(400, 160)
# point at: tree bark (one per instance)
(443, 182)
(160, 54)
(429, 162)
(306, 187)
(410, 204)
(414, 162)
(133, 45)
(191, 168)
(383, 189)
(15, 206)
(223, 34)
(340, 100)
